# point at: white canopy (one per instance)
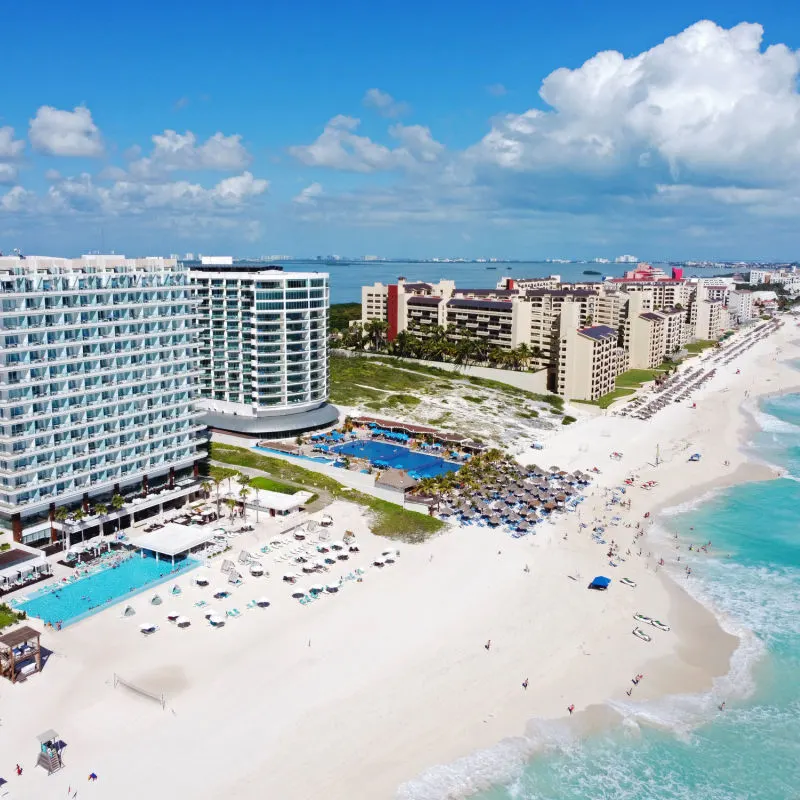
(172, 539)
(23, 567)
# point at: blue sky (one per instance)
(523, 130)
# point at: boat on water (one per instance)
(643, 618)
(591, 272)
(628, 582)
(660, 625)
(491, 267)
(641, 635)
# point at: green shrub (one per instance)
(567, 420)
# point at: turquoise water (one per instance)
(751, 751)
(71, 602)
(418, 465)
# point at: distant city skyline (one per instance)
(589, 133)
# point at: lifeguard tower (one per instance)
(50, 746)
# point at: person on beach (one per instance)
(18, 769)
(488, 644)
(571, 708)
(629, 692)
(525, 684)
(722, 706)
(92, 777)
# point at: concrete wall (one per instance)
(531, 381)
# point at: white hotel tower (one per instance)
(98, 382)
(263, 348)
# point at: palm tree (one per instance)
(101, 509)
(244, 493)
(376, 330)
(61, 515)
(231, 504)
(523, 356)
(78, 516)
(205, 488)
(217, 483)
(117, 501)
(401, 346)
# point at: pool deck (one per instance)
(20, 602)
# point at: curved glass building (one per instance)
(263, 348)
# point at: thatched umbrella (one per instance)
(523, 526)
(514, 517)
(532, 516)
(550, 506)
(494, 520)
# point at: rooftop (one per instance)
(598, 332)
(651, 316)
(481, 305)
(423, 300)
(173, 539)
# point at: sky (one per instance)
(514, 130)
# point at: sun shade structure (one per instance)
(600, 582)
(172, 540)
(20, 653)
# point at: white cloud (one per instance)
(339, 147)
(65, 133)
(16, 199)
(82, 195)
(384, 103)
(174, 152)
(8, 174)
(707, 101)
(10, 148)
(309, 195)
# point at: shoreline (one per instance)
(707, 631)
(288, 701)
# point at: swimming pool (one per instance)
(71, 602)
(381, 454)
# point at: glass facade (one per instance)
(263, 340)
(98, 379)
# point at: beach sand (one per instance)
(358, 693)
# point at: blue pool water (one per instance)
(317, 459)
(682, 747)
(71, 602)
(382, 454)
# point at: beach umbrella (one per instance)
(298, 593)
(495, 520)
(262, 602)
(290, 577)
(183, 622)
(220, 594)
(338, 545)
(378, 562)
(523, 526)
(173, 617)
(514, 518)
(156, 600)
(147, 628)
(332, 587)
(216, 621)
(317, 588)
(129, 611)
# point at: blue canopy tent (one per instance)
(600, 582)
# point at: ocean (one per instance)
(348, 278)
(684, 746)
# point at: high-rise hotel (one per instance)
(98, 383)
(263, 348)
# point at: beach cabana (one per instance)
(20, 653)
(600, 582)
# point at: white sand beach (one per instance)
(362, 691)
